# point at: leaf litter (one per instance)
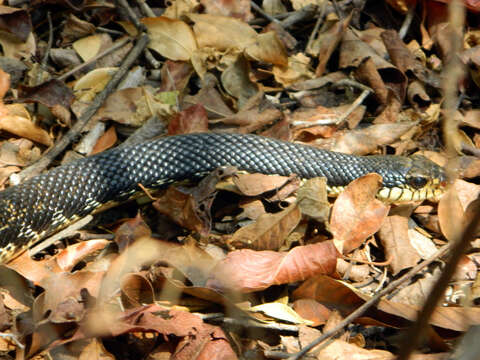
(241, 265)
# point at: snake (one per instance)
(44, 204)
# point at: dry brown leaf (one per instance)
(51, 93)
(18, 122)
(312, 310)
(130, 231)
(171, 38)
(221, 32)
(395, 239)
(179, 207)
(236, 81)
(312, 199)
(346, 299)
(357, 213)
(198, 341)
(451, 215)
(269, 231)
(248, 270)
(327, 41)
(136, 289)
(106, 141)
(89, 46)
(298, 69)
(257, 184)
(191, 120)
(268, 49)
(92, 83)
(210, 99)
(365, 141)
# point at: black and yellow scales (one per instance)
(44, 204)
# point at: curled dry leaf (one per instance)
(357, 213)
(249, 270)
(18, 122)
(269, 231)
(136, 289)
(92, 83)
(269, 49)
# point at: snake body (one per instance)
(40, 206)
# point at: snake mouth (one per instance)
(433, 190)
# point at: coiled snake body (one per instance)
(43, 204)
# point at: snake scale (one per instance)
(42, 205)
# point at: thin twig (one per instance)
(407, 22)
(361, 310)
(453, 73)
(50, 40)
(264, 14)
(313, 35)
(358, 101)
(416, 331)
(220, 318)
(140, 28)
(145, 8)
(89, 112)
(305, 13)
(131, 15)
(117, 45)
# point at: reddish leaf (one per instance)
(357, 214)
(248, 270)
(192, 119)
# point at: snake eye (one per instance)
(417, 182)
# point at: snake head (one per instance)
(425, 179)
(420, 178)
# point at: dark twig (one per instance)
(50, 40)
(89, 112)
(417, 330)
(131, 15)
(141, 27)
(305, 13)
(361, 310)
(114, 47)
(145, 8)
(264, 14)
(407, 22)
